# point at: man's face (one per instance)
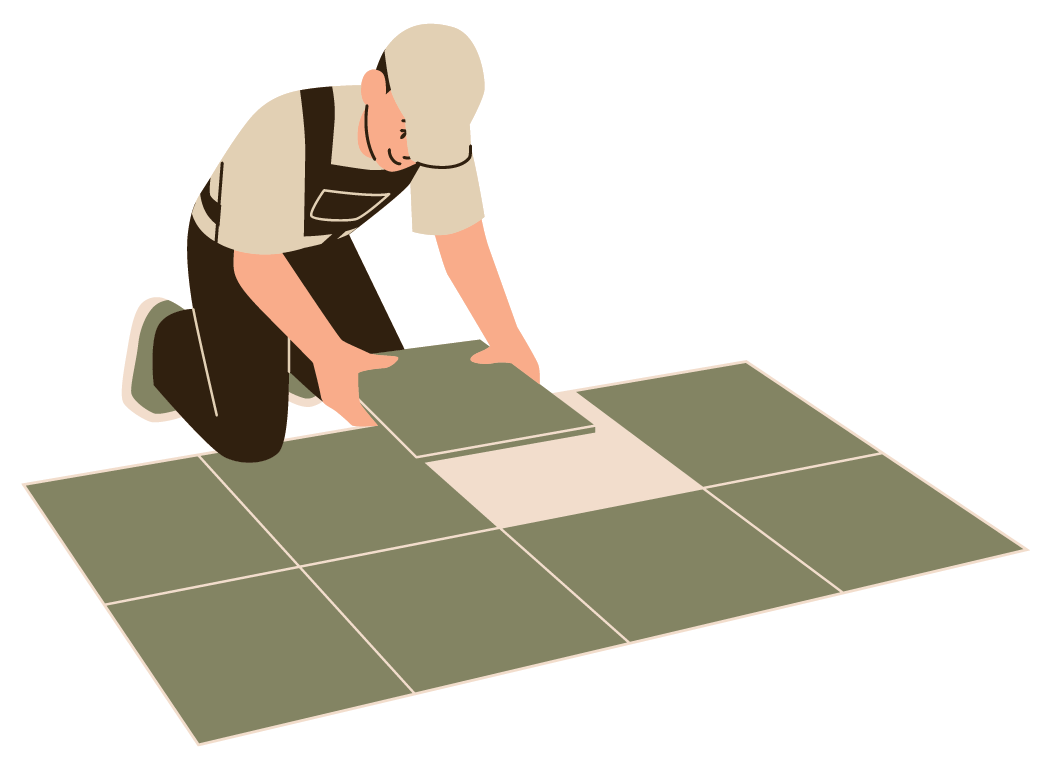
(383, 132)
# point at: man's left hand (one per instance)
(517, 353)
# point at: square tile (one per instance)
(440, 404)
(462, 608)
(668, 564)
(566, 476)
(254, 653)
(346, 493)
(727, 423)
(864, 521)
(138, 531)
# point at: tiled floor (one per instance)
(346, 572)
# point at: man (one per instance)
(280, 296)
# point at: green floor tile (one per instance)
(463, 608)
(668, 564)
(347, 493)
(250, 654)
(727, 423)
(138, 531)
(438, 403)
(864, 522)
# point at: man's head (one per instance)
(421, 98)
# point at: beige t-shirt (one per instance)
(262, 190)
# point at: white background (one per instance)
(845, 194)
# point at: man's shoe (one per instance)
(139, 393)
(300, 395)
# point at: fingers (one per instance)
(343, 399)
(378, 362)
(527, 365)
(356, 415)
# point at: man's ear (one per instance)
(373, 86)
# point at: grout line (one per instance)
(712, 495)
(393, 548)
(362, 636)
(793, 470)
(301, 566)
(200, 586)
(510, 441)
(523, 549)
(386, 428)
(229, 489)
(297, 566)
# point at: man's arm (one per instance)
(274, 287)
(468, 263)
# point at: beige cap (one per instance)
(435, 76)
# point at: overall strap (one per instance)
(319, 110)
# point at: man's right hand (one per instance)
(337, 372)
(274, 287)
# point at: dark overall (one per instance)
(247, 358)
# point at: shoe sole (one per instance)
(301, 401)
(295, 398)
(128, 368)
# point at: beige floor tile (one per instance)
(611, 467)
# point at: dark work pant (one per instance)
(241, 409)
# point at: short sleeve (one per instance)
(445, 201)
(262, 186)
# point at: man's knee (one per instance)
(252, 444)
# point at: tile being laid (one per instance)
(726, 423)
(439, 404)
(556, 478)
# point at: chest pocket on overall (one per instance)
(345, 206)
(337, 200)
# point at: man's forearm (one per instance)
(274, 287)
(469, 265)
